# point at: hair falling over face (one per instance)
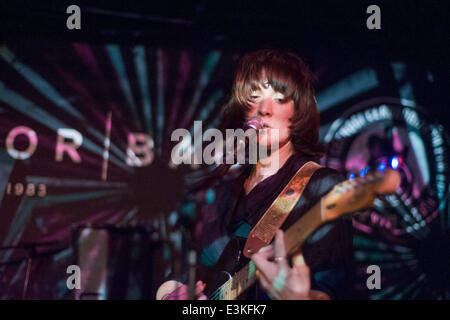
(286, 73)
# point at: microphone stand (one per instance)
(218, 172)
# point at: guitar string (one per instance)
(226, 286)
(218, 291)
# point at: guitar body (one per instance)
(231, 260)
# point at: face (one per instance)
(276, 112)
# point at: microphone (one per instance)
(197, 182)
(255, 124)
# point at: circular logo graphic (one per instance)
(405, 233)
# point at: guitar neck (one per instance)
(294, 238)
(295, 235)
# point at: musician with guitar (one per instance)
(253, 202)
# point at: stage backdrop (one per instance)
(86, 176)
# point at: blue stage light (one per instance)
(364, 171)
(394, 162)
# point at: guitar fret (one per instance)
(233, 287)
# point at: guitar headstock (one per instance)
(358, 193)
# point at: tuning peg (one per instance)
(364, 171)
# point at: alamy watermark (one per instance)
(374, 280)
(74, 280)
(237, 147)
(74, 20)
(374, 20)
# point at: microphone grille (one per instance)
(255, 123)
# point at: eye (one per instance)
(281, 100)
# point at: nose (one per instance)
(265, 108)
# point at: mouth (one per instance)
(265, 126)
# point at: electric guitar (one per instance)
(223, 283)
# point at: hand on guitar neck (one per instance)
(281, 281)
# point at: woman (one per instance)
(276, 87)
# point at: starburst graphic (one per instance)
(105, 96)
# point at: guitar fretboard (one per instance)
(237, 284)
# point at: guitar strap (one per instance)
(264, 231)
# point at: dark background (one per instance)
(410, 51)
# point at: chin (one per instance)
(268, 147)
